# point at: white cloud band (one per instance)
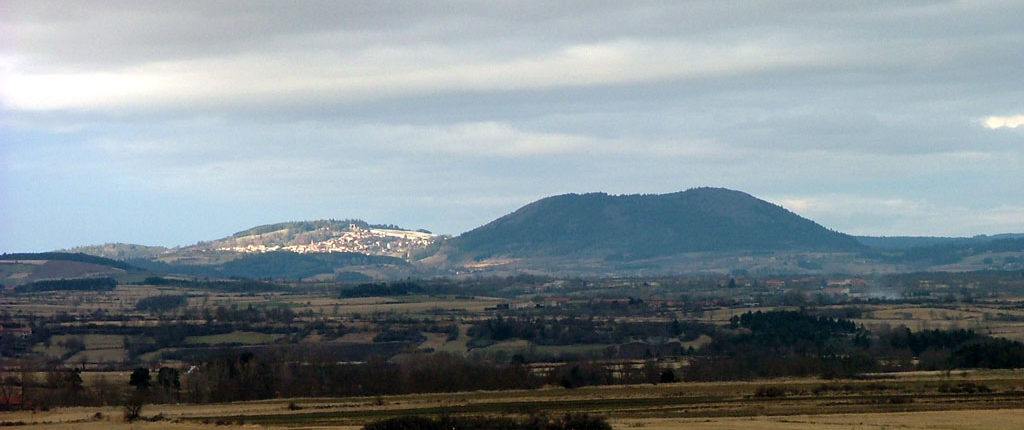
(1012, 121)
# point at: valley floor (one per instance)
(930, 420)
(917, 400)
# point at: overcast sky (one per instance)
(166, 123)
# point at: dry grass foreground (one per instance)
(1000, 419)
(804, 403)
(932, 420)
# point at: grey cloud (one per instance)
(137, 31)
(443, 115)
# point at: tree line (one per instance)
(574, 330)
(78, 284)
(753, 345)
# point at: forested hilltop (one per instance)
(637, 226)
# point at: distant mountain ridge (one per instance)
(22, 268)
(321, 249)
(907, 242)
(120, 251)
(700, 230)
(282, 265)
(629, 227)
(348, 235)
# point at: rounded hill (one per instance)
(644, 226)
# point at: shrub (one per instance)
(769, 391)
(133, 408)
(667, 376)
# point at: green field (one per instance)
(98, 348)
(509, 348)
(236, 337)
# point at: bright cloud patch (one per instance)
(902, 217)
(385, 72)
(1013, 121)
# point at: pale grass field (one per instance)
(915, 317)
(115, 355)
(1000, 419)
(439, 342)
(83, 417)
(241, 337)
(189, 417)
(352, 306)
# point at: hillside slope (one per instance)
(22, 268)
(323, 236)
(631, 227)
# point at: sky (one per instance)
(167, 123)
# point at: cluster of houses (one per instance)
(558, 302)
(395, 243)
